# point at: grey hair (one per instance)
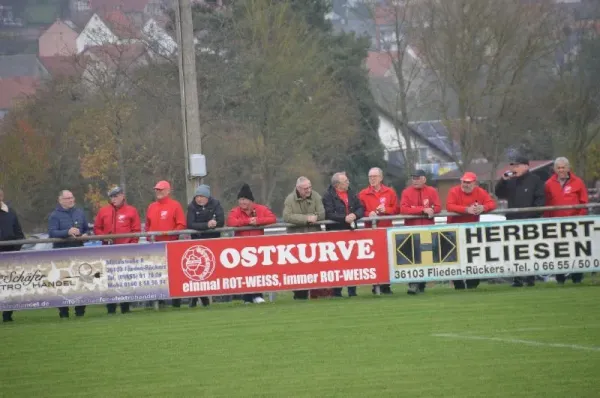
(336, 177)
(562, 160)
(301, 180)
(62, 192)
(378, 170)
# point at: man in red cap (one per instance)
(379, 200)
(165, 214)
(118, 217)
(468, 200)
(419, 199)
(565, 188)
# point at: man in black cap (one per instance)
(204, 213)
(521, 188)
(10, 229)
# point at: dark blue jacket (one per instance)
(10, 229)
(61, 220)
(199, 216)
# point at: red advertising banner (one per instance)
(277, 262)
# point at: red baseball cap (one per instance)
(469, 177)
(162, 185)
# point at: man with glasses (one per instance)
(342, 206)
(379, 200)
(165, 214)
(468, 200)
(303, 208)
(64, 222)
(521, 188)
(419, 199)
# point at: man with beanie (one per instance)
(248, 213)
(64, 222)
(521, 188)
(204, 213)
(342, 206)
(419, 199)
(468, 200)
(10, 229)
(118, 217)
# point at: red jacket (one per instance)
(458, 201)
(413, 201)
(573, 192)
(111, 220)
(370, 199)
(165, 214)
(239, 218)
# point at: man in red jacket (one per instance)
(470, 201)
(565, 188)
(419, 199)
(117, 218)
(246, 214)
(379, 200)
(165, 214)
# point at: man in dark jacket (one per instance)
(10, 229)
(203, 214)
(67, 221)
(521, 188)
(342, 206)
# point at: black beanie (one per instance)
(245, 192)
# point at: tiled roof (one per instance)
(14, 87)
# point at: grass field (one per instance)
(496, 341)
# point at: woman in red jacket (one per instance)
(246, 214)
(470, 201)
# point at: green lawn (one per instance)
(360, 347)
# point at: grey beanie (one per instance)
(203, 190)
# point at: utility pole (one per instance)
(190, 115)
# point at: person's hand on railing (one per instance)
(429, 211)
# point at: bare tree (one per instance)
(482, 54)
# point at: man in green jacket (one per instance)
(303, 208)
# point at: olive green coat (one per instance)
(296, 211)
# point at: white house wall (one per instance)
(95, 33)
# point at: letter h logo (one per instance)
(426, 248)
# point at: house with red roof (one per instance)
(12, 89)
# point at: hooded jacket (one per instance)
(122, 220)
(165, 214)
(239, 218)
(370, 199)
(199, 216)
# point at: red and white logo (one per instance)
(164, 214)
(198, 263)
(425, 202)
(568, 189)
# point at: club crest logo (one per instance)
(198, 263)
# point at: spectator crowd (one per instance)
(305, 208)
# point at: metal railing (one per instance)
(153, 235)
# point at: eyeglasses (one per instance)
(69, 198)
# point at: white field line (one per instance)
(543, 329)
(517, 341)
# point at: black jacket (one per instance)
(199, 216)
(524, 191)
(335, 209)
(10, 229)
